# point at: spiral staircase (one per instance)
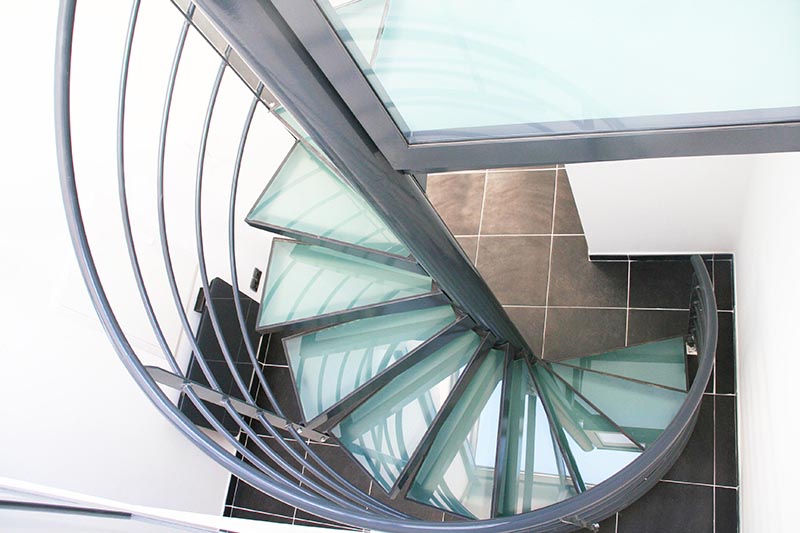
(388, 359)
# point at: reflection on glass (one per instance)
(457, 474)
(304, 281)
(384, 431)
(330, 363)
(294, 125)
(305, 195)
(452, 70)
(534, 474)
(598, 448)
(643, 411)
(363, 20)
(662, 363)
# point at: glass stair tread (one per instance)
(329, 363)
(457, 474)
(533, 473)
(304, 281)
(594, 446)
(306, 196)
(661, 363)
(643, 411)
(384, 432)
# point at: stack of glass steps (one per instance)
(429, 405)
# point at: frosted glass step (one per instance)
(330, 363)
(305, 281)
(457, 474)
(661, 362)
(306, 196)
(293, 124)
(643, 411)
(383, 432)
(597, 448)
(534, 474)
(363, 20)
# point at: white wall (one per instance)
(767, 315)
(71, 415)
(661, 206)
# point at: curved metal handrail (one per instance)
(344, 504)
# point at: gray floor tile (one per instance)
(458, 199)
(530, 323)
(515, 268)
(577, 332)
(576, 281)
(518, 202)
(470, 246)
(567, 219)
(648, 325)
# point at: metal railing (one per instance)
(324, 492)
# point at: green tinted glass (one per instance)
(457, 474)
(599, 449)
(330, 363)
(534, 474)
(662, 363)
(306, 195)
(384, 431)
(643, 411)
(304, 281)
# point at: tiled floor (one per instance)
(522, 230)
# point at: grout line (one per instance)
(480, 220)
(549, 263)
(529, 169)
(496, 171)
(596, 307)
(697, 484)
(616, 523)
(265, 513)
(523, 235)
(628, 304)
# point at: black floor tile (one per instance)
(341, 461)
(609, 525)
(410, 507)
(274, 350)
(248, 497)
(727, 511)
(231, 490)
(252, 515)
(670, 508)
(662, 284)
(692, 364)
(567, 219)
(696, 463)
(458, 199)
(577, 332)
(518, 202)
(515, 268)
(649, 325)
(280, 383)
(725, 364)
(530, 323)
(725, 441)
(575, 281)
(321, 522)
(723, 284)
(470, 247)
